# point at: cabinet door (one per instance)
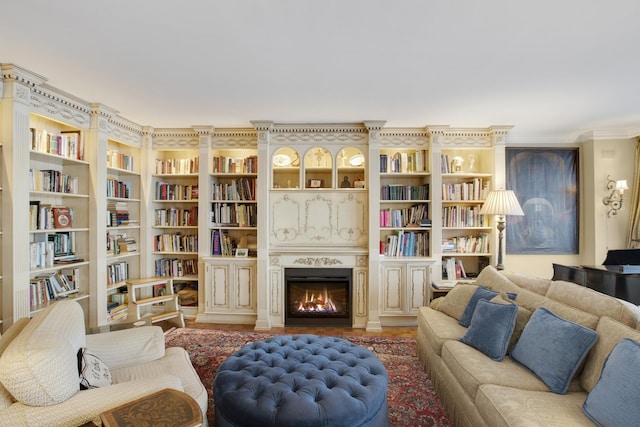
(393, 289)
(217, 289)
(245, 288)
(418, 282)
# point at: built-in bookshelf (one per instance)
(404, 214)
(175, 221)
(124, 210)
(58, 203)
(466, 235)
(233, 215)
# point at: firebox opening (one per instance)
(318, 296)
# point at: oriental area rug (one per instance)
(411, 398)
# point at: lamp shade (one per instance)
(621, 185)
(501, 202)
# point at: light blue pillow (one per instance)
(614, 401)
(481, 293)
(491, 328)
(553, 348)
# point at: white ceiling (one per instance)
(553, 69)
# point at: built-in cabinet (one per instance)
(217, 210)
(230, 291)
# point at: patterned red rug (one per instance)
(411, 399)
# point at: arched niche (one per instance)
(285, 164)
(318, 168)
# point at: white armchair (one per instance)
(39, 379)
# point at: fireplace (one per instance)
(318, 296)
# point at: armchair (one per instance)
(39, 378)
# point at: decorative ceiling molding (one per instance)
(175, 138)
(468, 137)
(399, 137)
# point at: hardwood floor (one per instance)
(407, 331)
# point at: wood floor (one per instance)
(407, 332)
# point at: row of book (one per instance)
(232, 215)
(222, 243)
(176, 217)
(467, 244)
(174, 267)
(51, 286)
(120, 243)
(177, 166)
(59, 248)
(453, 269)
(404, 162)
(475, 189)
(403, 216)
(49, 217)
(69, 144)
(118, 214)
(166, 191)
(119, 189)
(462, 216)
(224, 164)
(53, 181)
(238, 189)
(118, 160)
(405, 243)
(404, 192)
(117, 272)
(116, 311)
(175, 242)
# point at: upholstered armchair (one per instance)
(40, 369)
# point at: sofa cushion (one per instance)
(175, 362)
(610, 333)
(481, 293)
(491, 278)
(39, 368)
(591, 301)
(501, 406)
(6, 399)
(553, 348)
(614, 399)
(531, 283)
(491, 328)
(456, 300)
(471, 368)
(438, 327)
(521, 318)
(572, 314)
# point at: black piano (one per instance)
(618, 276)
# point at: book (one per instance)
(62, 217)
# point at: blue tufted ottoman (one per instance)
(301, 380)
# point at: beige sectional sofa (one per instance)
(480, 391)
(40, 378)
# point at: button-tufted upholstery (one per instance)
(301, 380)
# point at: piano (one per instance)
(618, 276)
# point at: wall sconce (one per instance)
(614, 200)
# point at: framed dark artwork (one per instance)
(546, 184)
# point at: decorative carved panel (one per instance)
(318, 219)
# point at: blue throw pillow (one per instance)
(491, 328)
(553, 348)
(614, 399)
(480, 294)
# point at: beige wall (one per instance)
(598, 234)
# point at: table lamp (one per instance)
(501, 202)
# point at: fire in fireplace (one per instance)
(318, 296)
